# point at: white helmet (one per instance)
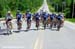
(9, 11)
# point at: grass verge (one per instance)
(71, 19)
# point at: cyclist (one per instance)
(37, 16)
(52, 20)
(48, 20)
(60, 18)
(8, 19)
(19, 21)
(45, 18)
(28, 16)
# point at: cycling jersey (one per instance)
(59, 17)
(45, 16)
(19, 16)
(52, 16)
(37, 16)
(28, 16)
(8, 17)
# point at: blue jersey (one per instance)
(28, 16)
(19, 16)
(37, 15)
(59, 17)
(52, 16)
(45, 16)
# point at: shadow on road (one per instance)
(2, 31)
(28, 30)
(18, 31)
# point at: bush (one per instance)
(23, 5)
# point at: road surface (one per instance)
(38, 39)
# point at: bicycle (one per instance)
(37, 24)
(19, 24)
(59, 23)
(44, 23)
(9, 27)
(28, 24)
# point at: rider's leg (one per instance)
(7, 26)
(51, 24)
(11, 25)
(47, 22)
(19, 25)
(44, 24)
(59, 25)
(54, 24)
(37, 24)
(28, 24)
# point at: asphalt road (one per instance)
(38, 39)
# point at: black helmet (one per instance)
(18, 11)
(28, 10)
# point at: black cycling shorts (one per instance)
(9, 19)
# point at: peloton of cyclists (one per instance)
(56, 20)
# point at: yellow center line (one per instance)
(39, 41)
(36, 43)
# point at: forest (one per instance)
(65, 6)
(22, 5)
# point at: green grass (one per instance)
(71, 20)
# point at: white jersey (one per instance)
(8, 17)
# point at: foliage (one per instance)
(65, 6)
(23, 5)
